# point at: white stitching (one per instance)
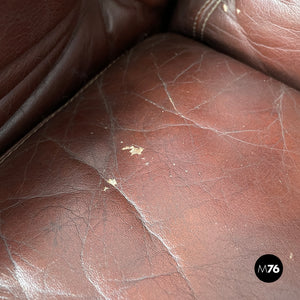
(208, 16)
(196, 19)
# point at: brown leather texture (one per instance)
(166, 178)
(50, 48)
(262, 33)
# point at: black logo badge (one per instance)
(268, 268)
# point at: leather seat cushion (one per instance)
(164, 178)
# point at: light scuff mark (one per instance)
(106, 188)
(134, 150)
(112, 181)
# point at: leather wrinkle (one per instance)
(90, 18)
(42, 62)
(143, 219)
(138, 210)
(139, 214)
(55, 44)
(44, 37)
(51, 116)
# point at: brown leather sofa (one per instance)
(150, 149)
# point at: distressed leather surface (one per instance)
(262, 33)
(165, 179)
(50, 48)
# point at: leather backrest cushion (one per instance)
(262, 33)
(50, 48)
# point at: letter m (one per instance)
(262, 269)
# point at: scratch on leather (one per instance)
(165, 243)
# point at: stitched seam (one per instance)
(51, 116)
(197, 17)
(208, 16)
